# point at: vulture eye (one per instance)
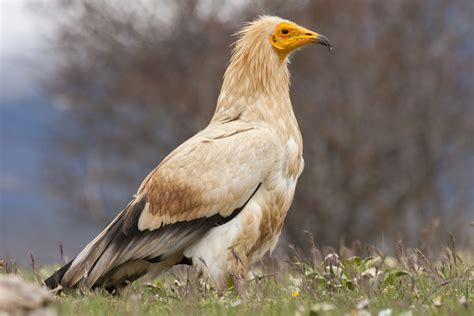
(284, 31)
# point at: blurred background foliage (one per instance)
(387, 117)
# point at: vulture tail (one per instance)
(55, 280)
(96, 259)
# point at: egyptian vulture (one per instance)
(219, 200)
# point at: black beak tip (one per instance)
(323, 40)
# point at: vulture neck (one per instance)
(256, 83)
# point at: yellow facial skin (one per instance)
(289, 36)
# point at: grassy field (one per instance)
(408, 284)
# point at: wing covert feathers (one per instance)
(214, 172)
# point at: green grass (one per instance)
(410, 284)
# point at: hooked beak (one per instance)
(323, 40)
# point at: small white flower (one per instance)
(437, 301)
(236, 303)
(385, 312)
